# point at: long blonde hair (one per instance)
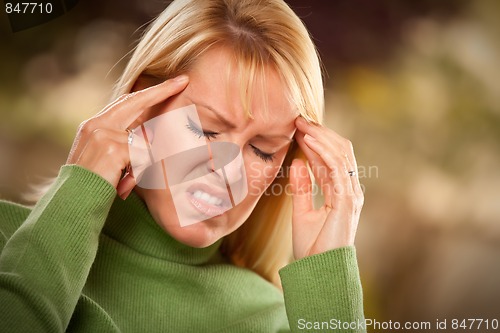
(260, 33)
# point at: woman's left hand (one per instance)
(331, 158)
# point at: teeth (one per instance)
(205, 196)
(213, 201)
(210, 199)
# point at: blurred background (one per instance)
(413, 84)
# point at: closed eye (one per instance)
(266, 157)
(193, 127)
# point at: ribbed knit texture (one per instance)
(83, 260)
(328, 277)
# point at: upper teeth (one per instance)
(200, 195)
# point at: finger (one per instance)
(324, 174)
(110, 105)
(146, 82)
(321, 172)
(125, 186)
(356, 190)
(318, 167)
(328, 137)
(121, 113)
(341, 182)
(140, 153)
(319, 132)
(301, 187)
(325, 135)
(352, 167)
(132, 105)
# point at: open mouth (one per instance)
(208, 200)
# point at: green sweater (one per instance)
(83, 260)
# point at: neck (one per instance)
(130, 223)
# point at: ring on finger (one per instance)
(130, 138)
(349, 172)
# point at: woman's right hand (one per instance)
(101, 142)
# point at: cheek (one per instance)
(260, 175)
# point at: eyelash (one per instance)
(199, 132)
(266, 157)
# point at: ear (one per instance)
(145, 81)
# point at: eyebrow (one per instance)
(231, 125)
(218, 114)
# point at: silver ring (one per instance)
(351, 173)
(130, 138)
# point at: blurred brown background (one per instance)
(411, 83)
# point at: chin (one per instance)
(198, 235)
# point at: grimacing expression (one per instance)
(264, 138)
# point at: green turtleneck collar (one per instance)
(130, 223)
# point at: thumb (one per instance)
(301, 186)
(125, 186)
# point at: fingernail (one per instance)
(181, 78)
(301, 120)
(309, 138)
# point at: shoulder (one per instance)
(12, 215)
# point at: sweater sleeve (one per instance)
(323, 292)
(45, 263)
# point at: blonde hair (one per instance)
(260, 33)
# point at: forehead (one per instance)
(218, 79)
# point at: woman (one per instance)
(83, 260)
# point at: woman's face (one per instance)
(263, 139)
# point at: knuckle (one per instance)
(348, 204)
(360, 200)
(333, 158)
(122, 97)
(103, 141)
(126, 97)
(339, 190)
(112, 148)
(86, 127)
(98, 135)
(327, 154)
(337, 166)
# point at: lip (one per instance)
(204, 207)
